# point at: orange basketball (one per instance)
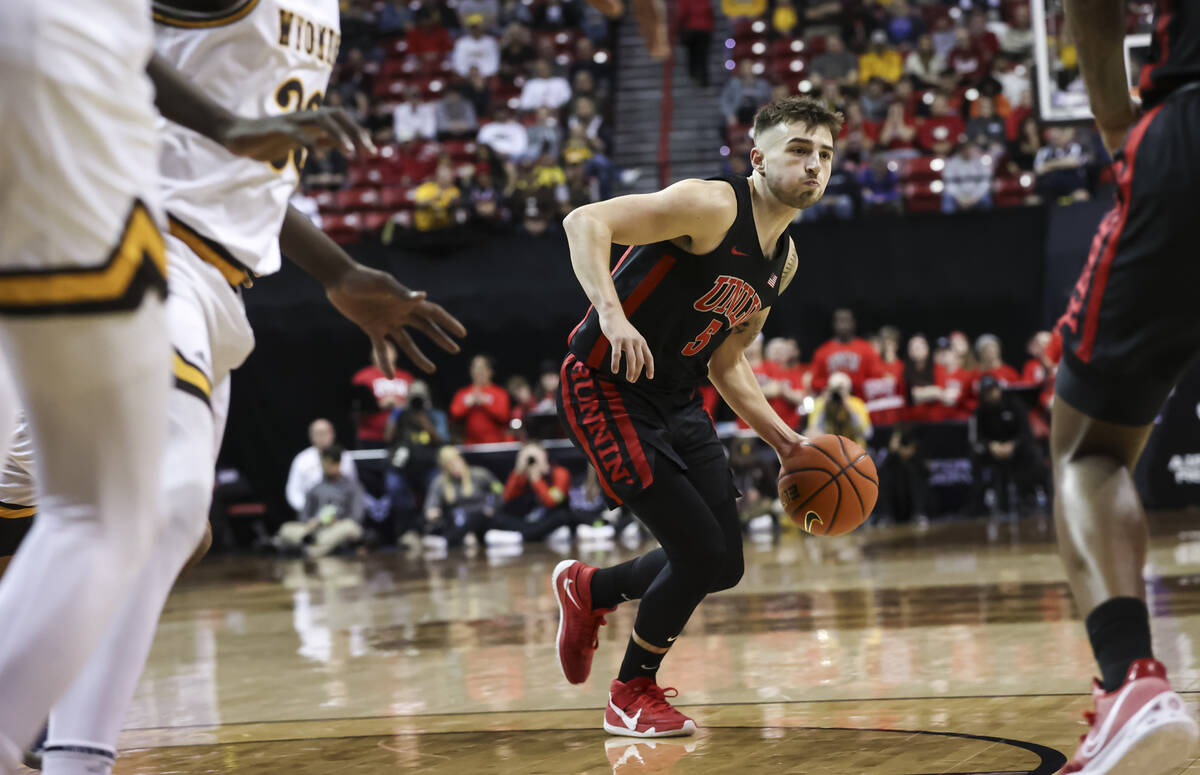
(828, 486)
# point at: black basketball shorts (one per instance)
(622, 429)
(1132, 325)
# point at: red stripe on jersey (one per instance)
(628, 433)
(575, 330)
(1145, 81)
(565, 379)
(1100, 280)
(631, 303)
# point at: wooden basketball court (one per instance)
(889, 651)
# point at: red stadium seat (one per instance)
(342, 228)
(923, 197)
(396, 198)
(816, 46)
(373, 222)
(1013, 191)
(358, 199)
(394, 47)
(788, 47)
(923, 168)
(326, 200)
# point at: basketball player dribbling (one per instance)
(1129, 332)
(708, 260)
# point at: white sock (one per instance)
(93, 709)
(99, 444)
(77, 760)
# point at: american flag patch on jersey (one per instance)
(772, 280)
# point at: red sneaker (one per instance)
(1142, 728)
(628, 756)
(578, 624)
(639, 708)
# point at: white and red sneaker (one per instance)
(578, 624)
(639, 708)
(1142, 727)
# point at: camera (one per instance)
(417, 403)
(836, 397)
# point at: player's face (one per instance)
(796, 162)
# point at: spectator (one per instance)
(898, 134)
(904, 477)
(544, 89)
(885, 394)
(536, 504)
(1001, 447)
(456, 117)
(542, 136)
(436, 200)
(875, 100)
(516, 51)
(961, 346)
(836, 64)
(395, 17)
(784, 19)
(943, 130)
(542, 420)
(1017, 38)
(984, 40)
(845, 353)
(904, 25)
(782, 383)
(925, 64)
(945, 36)
(965, 61)
(596, 66)
(475, 49)
(1040, 365)
(925, 383)
(354, 83)
(506, 136)
(489, 10)
(377, 396)
(841, 194)
(586, 116)
(306, 470)
(960, 397)
(1024, 150)
(333, 511)
(858, 135)
(839, 411)
(516, 12)
(520, 399)
(987, 347)
(968, 181)
(696, 25)
(905, 93)
(487, 198)
(414, 435)
(743, 95)
(880, 61)
(481, 408)
(1060, 167)
(460, 502)
(987, 130)
(477, 91)
(880, 187)
(428, 40)
(555, 15)
(414, 118)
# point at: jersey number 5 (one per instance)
(699, 343)
(290, 97)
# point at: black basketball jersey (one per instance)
(686, 305)
(1175, 51)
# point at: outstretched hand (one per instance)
(273, 137)
(384, 309)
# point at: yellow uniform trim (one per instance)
(10, 512)
(177, 18)
(210, 253)
(138, 260)
(189, 378)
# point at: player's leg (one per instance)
(79, 149)
(87, 720)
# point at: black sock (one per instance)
(1120, 633)
(627, 581)
(639, 662)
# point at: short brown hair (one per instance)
(798, 109)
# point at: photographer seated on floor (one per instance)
(460, 503)
(332, 515)
(837, 410)
(536, 505)
(414, 435)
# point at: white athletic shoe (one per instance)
(503, 538)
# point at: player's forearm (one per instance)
(181, 102)
(1098, 27)
(312, 250)
(738, 386)
(590, 242)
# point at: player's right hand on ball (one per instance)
(628, 343)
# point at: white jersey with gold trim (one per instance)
(260, 58)
(16, 475)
